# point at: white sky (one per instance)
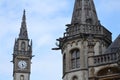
(46, 20)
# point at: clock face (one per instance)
(22, 64)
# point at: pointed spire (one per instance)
(84, 12)
(24, 16)
(23, 30)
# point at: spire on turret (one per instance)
(84, 23)
(84, 12)
(23, 30)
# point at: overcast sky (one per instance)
(46, 20)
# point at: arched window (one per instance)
(23, 46)
(64, 63)
(75, 78)
(22, 77)
(75, 58)
(109, 73)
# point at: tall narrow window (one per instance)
(75, 78)
(64, 63)
(22, 77)
(75, 58)
(23, 46)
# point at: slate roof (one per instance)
(113, 48)
(84, 12)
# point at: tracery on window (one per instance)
(75, 58)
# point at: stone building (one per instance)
(87, 47)
(22, 54)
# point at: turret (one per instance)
(76, 45)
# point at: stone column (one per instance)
(91, 45)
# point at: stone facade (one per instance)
(87, 47)
(22, 54)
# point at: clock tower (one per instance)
(22, 54)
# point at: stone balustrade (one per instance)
(106, 58)
(77, 29)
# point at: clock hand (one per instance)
(22, 65)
